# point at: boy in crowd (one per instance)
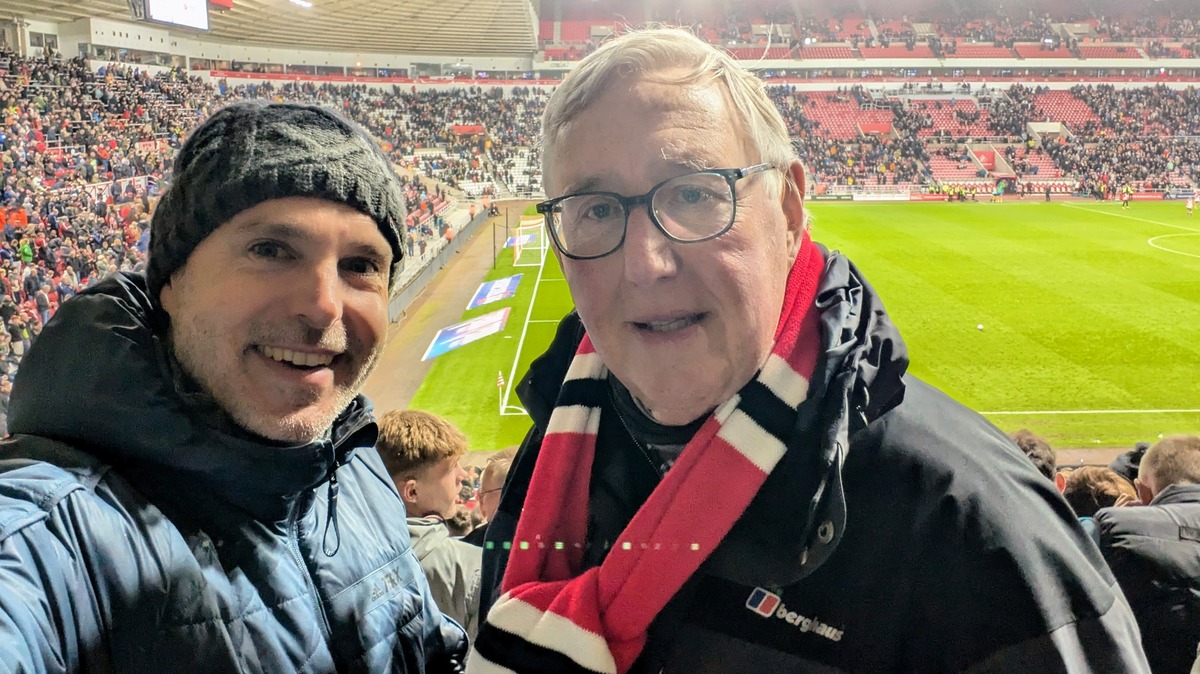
(421, 452)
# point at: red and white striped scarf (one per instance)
(553, 617)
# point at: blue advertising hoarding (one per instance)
(494, 291)
(454, 336)
(523, 240)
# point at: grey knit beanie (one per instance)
(251, 152)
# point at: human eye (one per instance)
(593, 208)
(362, 266)
(269, 250)
(699, 190)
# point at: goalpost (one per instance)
(530, 243)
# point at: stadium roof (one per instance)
(445, 27)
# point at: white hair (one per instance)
(670, 56)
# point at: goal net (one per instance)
(529, 243)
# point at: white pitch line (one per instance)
(1152, 239)
(1039, 412)
(1130, 217)
(512, 376)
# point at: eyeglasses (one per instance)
(687, 209)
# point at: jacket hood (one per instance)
(800, 511)
(860, 339)
(427, 533)
(100, 378)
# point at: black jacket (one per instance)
(1154, 551)
(913, 537)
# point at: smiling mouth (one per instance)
(669, 325)
(297, 359)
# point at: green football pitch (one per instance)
(1091, 317)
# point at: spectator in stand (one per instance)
(1126, 465)
(191, 476)
(421, 452)
(1087, 489)
(1038, 450)
(490, 485)
(697, 493)
(459, 525)
(1154, 551)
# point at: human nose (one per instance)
(649, 254)
(319, 300)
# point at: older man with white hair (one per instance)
(730, 469)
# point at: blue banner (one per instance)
(454, 336)
(523, 240)
(494, 291)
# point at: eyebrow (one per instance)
(289, 231)
(282, 230)
(683, 164)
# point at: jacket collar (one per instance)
(860, 341)
(100, 378)
(859, 377)
(1177, 493)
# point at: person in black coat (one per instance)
(1126, 465)
(1154, 551)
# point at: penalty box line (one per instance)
(507, 410)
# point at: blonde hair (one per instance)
(670, 56)
(411, 441)
(498, 465)
(1174, 460)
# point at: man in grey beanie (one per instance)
(191, 480)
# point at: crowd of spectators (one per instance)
(1133, 510)
(82, 156)
(1011, 113)
(873, 160)
(1157, 28)
(999, 30)
(1157, 110)
(1152, 25)
(1148, 162)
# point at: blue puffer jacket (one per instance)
(139, 532)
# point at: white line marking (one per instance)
(1152, 239)
(1010, 412)
(1130, 217)
(512, 376)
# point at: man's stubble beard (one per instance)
(199, 388)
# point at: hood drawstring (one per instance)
(331, 517)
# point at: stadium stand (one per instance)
(85, 152)
(979, 51)
(958, 170)
(755, 53)
(837, 116)
(897, 51)
(1065, 107)
(1102, 51)
(957, 118)
(1029, 163)
(1041, 51)
(820, 51)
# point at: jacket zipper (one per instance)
(294, 547)
(331, 517)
